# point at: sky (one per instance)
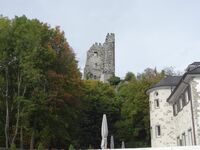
(148, 33)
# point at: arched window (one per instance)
(156, 93)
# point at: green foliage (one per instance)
(43, 80)
(47, 95)
(71, 147)
(130, 76)
(40, 146)
(98, 99)
(114, 80)
(13, 147)
(133, 127)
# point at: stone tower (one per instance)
(161, 112)
(100, 63)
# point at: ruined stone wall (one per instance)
(100, 63)
(94, 63)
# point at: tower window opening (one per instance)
(158, 131)
(156, 101)
(96, 54)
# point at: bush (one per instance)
(40, 147)
(13, 147)
(71, 147)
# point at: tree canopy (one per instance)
(45, 103)
(40, 83)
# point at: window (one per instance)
(158, 131)
(186, 96)
(179, 141)
(183, 100)
(175, 108)
(95, 65)
(95, 77)
(190, 137)
(156, 102)
(156, 93)
(180, 103)
(178, 106)
(95, 54)
(183, 139)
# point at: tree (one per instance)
(99, 99)
(38, 75)
(114, 80)
(133, 126)
(130, 76)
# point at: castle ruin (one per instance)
(100, 63)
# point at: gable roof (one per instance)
(193, 71)
(168, 81)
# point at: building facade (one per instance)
(175, 109)
(100, 62)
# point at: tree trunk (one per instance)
(33, 135)
(21, 138)
(7, 111)
(16, 126)
(32, 140)
(7, 124)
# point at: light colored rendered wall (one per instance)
(195, 90)
(162, 116)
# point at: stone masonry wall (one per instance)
(195, 89)
(183, 122)
(100, 63)
(162, 116)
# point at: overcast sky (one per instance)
(149, 33)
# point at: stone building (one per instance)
(100, 62)
(175, 109)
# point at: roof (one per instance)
(190, 72)
(194, 71)
(192, 66)
(168, 81)
(195, 63)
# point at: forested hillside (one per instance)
(44, 102)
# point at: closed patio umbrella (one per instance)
(104, 132)
(112, 142)
(123, 144)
